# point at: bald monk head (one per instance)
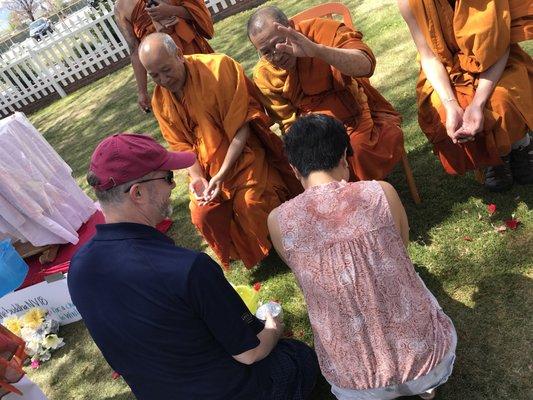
(264, 35)
(163, 61)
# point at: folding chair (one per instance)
(328, 10)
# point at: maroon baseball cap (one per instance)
(125, 157)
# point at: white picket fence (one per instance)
(82, 43)
(218, 5)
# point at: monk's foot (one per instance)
(499, 178)
(522, 164)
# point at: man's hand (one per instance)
(144, 101)
(295, 43)
(213, 188)
(161, 12)
(274, 324)
(198, 187)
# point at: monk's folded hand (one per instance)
(454, 120)
(295, 43)
(161, 12)
(473, 119)
(213, 188)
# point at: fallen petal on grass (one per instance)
(512, 223)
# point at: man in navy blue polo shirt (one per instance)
(165, 317)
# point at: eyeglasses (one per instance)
(169, 178)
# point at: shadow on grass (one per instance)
(493, 338)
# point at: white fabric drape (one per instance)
(40, 202)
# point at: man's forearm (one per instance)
(351, 62)
(139, 71)
(268, 339)
(488, 80)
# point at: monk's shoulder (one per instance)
(215, 62)
(126, 7)
(316, 28)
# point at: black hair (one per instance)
(259, 17)
(316, 142)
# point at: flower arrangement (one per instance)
(39, 331)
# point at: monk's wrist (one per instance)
(317, 50)
(450, 104)
(479, 103)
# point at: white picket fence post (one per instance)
(82, 44)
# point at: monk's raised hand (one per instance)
(295, 43)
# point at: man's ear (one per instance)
(135, 193)
(296, 173)
(291, 23)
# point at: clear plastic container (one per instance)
(274, 308)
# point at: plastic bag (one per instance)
(249, 295)
(13, 269)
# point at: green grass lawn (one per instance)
(482, 279)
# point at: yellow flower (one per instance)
(13, 324)
(33, 318)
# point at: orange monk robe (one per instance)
(12, 357)
(217, 101)
(314, 86)
(468, 41)
(189, 36)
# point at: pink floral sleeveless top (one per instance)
(374, 322)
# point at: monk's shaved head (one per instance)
(264, 17)
(163, 60)
(157, 45)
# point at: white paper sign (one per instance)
(53, 297)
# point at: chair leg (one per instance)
(410, 179)
(479, 174)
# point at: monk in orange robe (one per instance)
(322, 66)
(205, 104)
(188, 22)
(475, 91)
